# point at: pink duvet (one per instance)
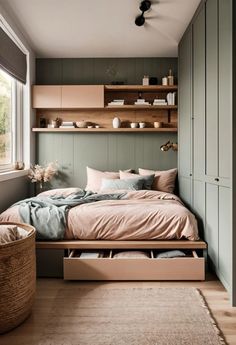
(143, 215)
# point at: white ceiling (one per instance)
(101, 28)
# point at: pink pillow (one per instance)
(94, 178)
(164, 180)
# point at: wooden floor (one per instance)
(30, 332)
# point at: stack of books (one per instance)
(141, 101)
(117, 102)
(67, 124)
(159, 102)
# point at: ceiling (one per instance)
(101, 28)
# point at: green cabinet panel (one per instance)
(185, 104)
(199, 94)
(185, 186)
(212, 88)
(211, 226)
(198, 204)
(225, 235)
(225, 88)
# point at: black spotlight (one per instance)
(140, 20)
(144, 6)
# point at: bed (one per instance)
(145, 220)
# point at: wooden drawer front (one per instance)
(189, 268)
(46, 96)
(82, 96)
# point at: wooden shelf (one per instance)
(141, 88)
(103, 130)
(141, 107)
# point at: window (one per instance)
(10, 101)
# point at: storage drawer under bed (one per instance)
(190, 267)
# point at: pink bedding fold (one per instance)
(143, 215)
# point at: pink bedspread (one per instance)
(143, 215)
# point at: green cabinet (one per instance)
(208, 156)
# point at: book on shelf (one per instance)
(117, 102)
(142, 103)
(66, 126)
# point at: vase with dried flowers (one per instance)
(42, 174)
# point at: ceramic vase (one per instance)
(116, 122)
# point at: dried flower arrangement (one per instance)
(42, 174)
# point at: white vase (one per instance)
(116, 122)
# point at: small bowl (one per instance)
(81, 124)
(142, 124)
(89, 126)
(97, 126)
(158, 124)
(134, 125)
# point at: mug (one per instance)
(142, 124)
(158, 124)
(134, 125)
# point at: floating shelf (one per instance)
(141, 107)
(103, 130)
(141, 88)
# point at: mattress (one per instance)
(142, 215)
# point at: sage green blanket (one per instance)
(49, 214)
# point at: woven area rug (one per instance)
(131, 316)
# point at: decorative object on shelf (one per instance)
(19, 165)
(134, 125)
(56, 123)
(142, 124)
(164, 81)
(170, 78)
(167, 146)
(67, 124)
(145, 80)
(153, 81)
(144, 6)
(81, 124)
(97, 126)
(42, 174)
(171, 98)
(158, 124)
(90, 126)
(42, 122)
(116, 123)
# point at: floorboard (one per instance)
(30, 332)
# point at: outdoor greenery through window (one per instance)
(6, 119)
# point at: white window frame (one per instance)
(21, 115)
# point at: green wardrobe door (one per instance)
(211, 228)
(225, 88)
(185, 116)
(212, 88)
(199, 94)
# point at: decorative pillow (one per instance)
(117, 184)
(148, 179)
(8, 233)
(164, 180)
(94, 178)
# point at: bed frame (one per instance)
(191, 267)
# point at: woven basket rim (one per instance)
(31, 233)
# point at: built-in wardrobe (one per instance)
(205, 130)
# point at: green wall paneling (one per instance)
(101, 70)
(103, 151)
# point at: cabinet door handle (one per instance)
(216, 179)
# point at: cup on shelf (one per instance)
(158, 124)
(142, 124)
(134, 125)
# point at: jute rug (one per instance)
(132, 316)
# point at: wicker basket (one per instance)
(17, 279)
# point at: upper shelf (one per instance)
(141, 88)
(141, 107)
(100, 130)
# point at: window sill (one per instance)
(9, 175)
